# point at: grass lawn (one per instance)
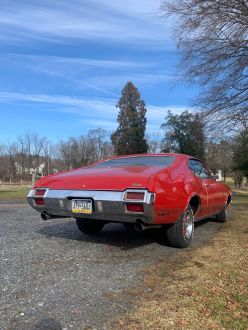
(14, 194)
(201, 288)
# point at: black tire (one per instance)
(89, 227)
(223, 215)
(128, 225)
(180, 234)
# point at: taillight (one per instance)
(135, 207)
(38, 195)
(39, 192)
(39, 201)
(134, 195)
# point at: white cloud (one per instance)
(116, 21)
(93, 112)
(90, 104)
(156, 111)
(97, 63)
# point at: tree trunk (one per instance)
(224, 176)
(240, 181)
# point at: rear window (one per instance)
(162, 161)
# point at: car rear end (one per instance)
(114, 206)
(113, 191)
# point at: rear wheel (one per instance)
(128, 225)
(222, 216)
(89, 227)
(180, 234)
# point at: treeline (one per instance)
(32, 153)
(187, 133)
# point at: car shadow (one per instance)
(112, 234)
(204, 222)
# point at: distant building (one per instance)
(38, 171)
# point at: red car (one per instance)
(167, 191)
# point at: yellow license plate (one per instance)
(81, 206)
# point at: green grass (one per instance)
(14, 194)
(230, 181)
(240, 198)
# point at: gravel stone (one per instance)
(55, 277)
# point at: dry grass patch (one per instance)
(201, 288)
(14, 194)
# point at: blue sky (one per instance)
(63, 65)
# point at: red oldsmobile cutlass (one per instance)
(168, 191)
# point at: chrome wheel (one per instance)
(188, 224)
(180, 234)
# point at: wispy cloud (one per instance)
(82, 61)
(138, 78)
(104, 76)
(83, 103)
(94, 112)
(81, 19)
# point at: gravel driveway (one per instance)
(54, 277)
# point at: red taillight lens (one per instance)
(40, 192)
(133, 195)
(135, 207)
(39, 201)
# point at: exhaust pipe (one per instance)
(140, 226)
(45, 216)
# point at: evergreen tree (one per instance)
(129, 138)
(184, 133)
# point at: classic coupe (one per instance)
(167, 191)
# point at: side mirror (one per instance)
(215, 177)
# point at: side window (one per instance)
(199, 170)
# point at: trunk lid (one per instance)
(106, 178)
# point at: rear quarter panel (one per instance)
(174, 188)
(171, 193)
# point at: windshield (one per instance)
(162, 161)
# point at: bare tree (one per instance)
(12, 151)
(2, 161)
(34, 153)
(219, 156)
(101, 141)
(2, 149)
(84, 150)
(38, 148)
(64, 153)
(154, 142)
(49, 154)
(30, 150)
(213, 38)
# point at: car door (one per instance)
(214, 195)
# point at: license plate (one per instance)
(81, 206)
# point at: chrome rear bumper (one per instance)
(107, 205)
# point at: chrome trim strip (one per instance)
(124, 198)
(32, 193)
(97, 195)
(109, 205)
